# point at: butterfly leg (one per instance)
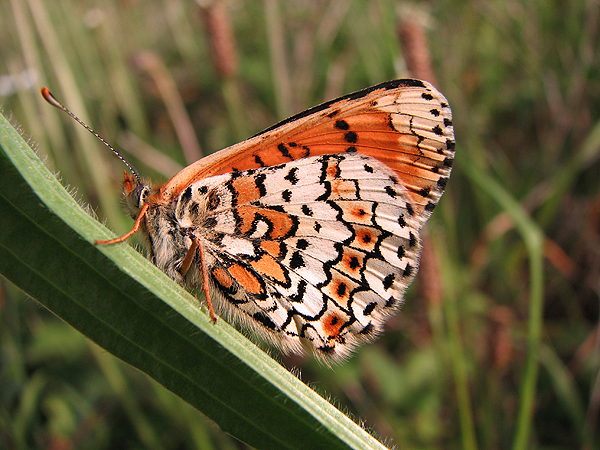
(189, 257)
(136, 227)
(205, 285)
(187, 263)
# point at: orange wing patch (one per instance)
(332, 325)
(339, 288)
(245, 190)
(279, 224)
(273, 248)
(365, 238)
(222, 277)
(268, 266)
(351, 263)
(246, 279)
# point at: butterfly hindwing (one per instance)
(307, 250)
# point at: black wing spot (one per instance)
(302, 244)
(342, 125)
(299, 297)
(306, 210)
(447, 122)
(391, 123)
(388, 281)
(259, 181)
(369, 308)
(437, 130)
(401, 252)
(424, 192)
(401, 221)
(297, 261)
(284, 151)
(351, 137)
(291, 176)
(407, 271)
(391, 302)
(391, 192)
(327, 349)
(412, 240)
(368, 168)
(427, 96)
(286, 195)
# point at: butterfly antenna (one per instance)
(52, 100)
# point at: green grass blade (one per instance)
(564, 384)
(533, 238)
(459, 366)
(122, 302)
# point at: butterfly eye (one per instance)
(141, 195)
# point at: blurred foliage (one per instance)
(450, 371)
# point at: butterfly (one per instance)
(308, 233)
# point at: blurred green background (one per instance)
(498, 345)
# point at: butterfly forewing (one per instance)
(406, 124)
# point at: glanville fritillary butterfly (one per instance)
(308, 232)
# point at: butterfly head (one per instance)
(136, 192)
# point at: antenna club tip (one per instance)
(50, 98)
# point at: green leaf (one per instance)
(119, 300)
